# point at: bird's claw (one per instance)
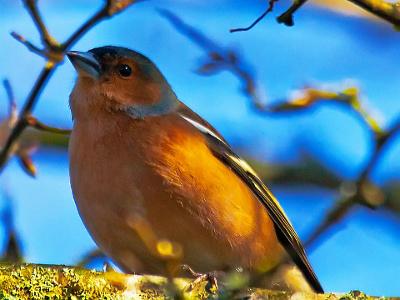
(210, 278)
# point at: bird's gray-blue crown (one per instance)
(107, 55)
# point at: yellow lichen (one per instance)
(29, 281)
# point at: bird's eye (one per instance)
(124, 70)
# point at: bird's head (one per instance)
(120, 79)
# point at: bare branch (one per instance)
(385, 10)
(287, 17)
(54, 52)
(47, 39)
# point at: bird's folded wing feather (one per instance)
(284, 229)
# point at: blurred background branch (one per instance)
(12, 252)
(219, 58)
(362, 191)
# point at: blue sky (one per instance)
(323, 47)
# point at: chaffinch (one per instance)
(145, 169)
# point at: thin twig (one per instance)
(27, 44)
(285, 18)
(312, 96)
(12, 105)
(35, 123)
(270, 8)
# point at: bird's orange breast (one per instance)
(158, 176)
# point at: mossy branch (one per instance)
(28, 281)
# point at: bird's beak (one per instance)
(85, 63)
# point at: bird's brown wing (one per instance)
(284, 229)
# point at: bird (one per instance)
(147, 174)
